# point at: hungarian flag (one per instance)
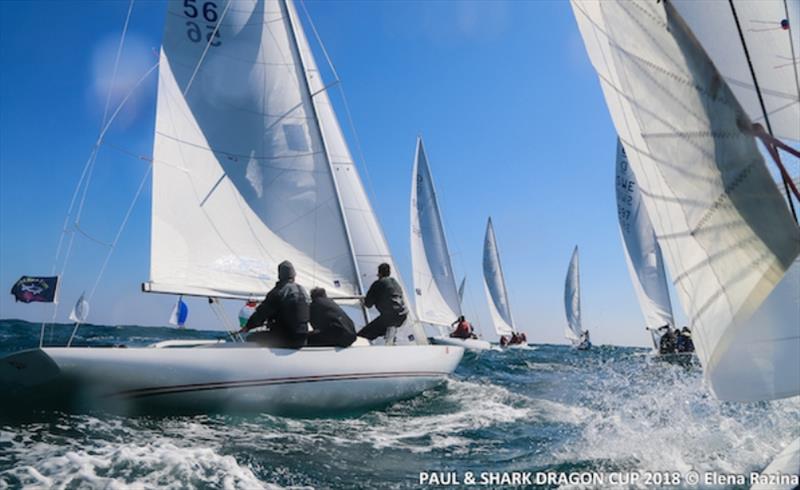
(35, 289)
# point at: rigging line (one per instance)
(211, 38)
(89, 163)
(348, 114)
(113, 246)
(760, 98)
(791, 47)
(116, 60)
(102, 135)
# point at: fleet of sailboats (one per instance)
(250, 168)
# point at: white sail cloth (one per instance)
(436, 297)
(770, 50)
(726, 234)
(495, 285)
(642, 252)
(241, 179)
(250, 165)
(572, 300)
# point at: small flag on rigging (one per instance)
(31, 289)
(179, 313)
(80, 311)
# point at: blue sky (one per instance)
(503, 93)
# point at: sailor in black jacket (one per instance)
(285, 311)
(386, 295)
(332, 327)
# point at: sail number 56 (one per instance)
(208, 12)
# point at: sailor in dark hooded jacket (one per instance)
(386, 295)
(285, 311)
(332, 327)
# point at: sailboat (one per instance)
(728, 237)
(437, 300)
(250, 168)
(642, 253)
(494, 283)
(572, 305)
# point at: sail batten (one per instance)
(727, 237)
(437, 299)
(495, 285)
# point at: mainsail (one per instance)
(642, 252)
(250, 165)
(572, 300)
(495, 285)
(727, 236)
(436, 296)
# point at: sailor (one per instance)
(523, 339)
(503, 341)
(683, 341)
(387, 296)
(463, 329)
(667, 343)
(332, 327)
(285, 311)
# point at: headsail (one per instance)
(436, 297)
(727, 236)
(241, 177)
(495, 284)
(572, 300)
(642, 252)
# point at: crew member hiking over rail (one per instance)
(386, 295)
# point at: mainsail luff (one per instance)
(436, 296)
(494, 283)
(642, 252)
(572, 299)
(726, 234)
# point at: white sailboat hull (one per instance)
(468, 344)
(234, 377)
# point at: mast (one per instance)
(306, 86)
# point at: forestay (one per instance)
(727, 236)
(495, 285)
(769, 43)
(436, 297)
(642, 252)
(572, 300)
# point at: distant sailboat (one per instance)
(727, 235)
(437, 301)
(572, 305)
(250, 168)
(496, 293)
(642, 252)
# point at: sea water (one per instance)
(609, 410)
